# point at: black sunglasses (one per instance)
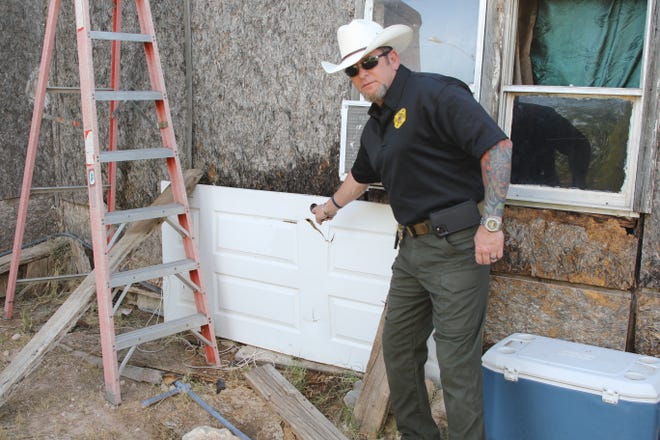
(366, 63)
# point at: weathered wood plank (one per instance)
(75, 306)
(497, 12)
(4, 279)
(646, 187)
(373, 404)
(306, 422)
(34, 253)
(47, 262)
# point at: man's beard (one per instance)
(378, 94)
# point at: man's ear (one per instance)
(394, 59)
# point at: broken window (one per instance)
(576, 142)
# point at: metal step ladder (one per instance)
(102, 219)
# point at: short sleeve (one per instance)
(362, 170)
(466, 122)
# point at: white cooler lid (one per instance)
(613, 374)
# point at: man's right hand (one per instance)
(321, 212)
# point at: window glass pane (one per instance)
(570, 142)
(590, 43)
(445, 38)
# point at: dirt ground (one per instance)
(64, 397)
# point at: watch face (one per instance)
(493, 224)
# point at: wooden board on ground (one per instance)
(39, 260)
(306, 421)
(262, 356)
(373, 404)
(77, 303)
(34, 253)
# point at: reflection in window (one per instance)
(590, 43)
(570, 142)
(446, 33)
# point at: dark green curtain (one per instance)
(590, 43)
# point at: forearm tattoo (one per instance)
(496, 173)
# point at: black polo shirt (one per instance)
(424, 144)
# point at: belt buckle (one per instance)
(423, 228)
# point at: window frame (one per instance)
(627, 202)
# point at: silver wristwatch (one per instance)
(492, 224)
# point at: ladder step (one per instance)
(56, 189)
(63, 89)
(135, 154)
(51, 278)
(137, 214)
(162, 330)
(128, 95)
(41, 190)
(120, 36)
(152, 272)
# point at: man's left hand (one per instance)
(488, 246)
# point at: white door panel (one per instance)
(276, 282)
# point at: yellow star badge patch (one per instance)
(400, 118)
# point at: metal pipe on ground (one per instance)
(184, 387)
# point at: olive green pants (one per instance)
(436, 284)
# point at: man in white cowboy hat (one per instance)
(438, 154)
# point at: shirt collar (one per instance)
(394, 93)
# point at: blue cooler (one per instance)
(538, 388)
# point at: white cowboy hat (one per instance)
(360, 37)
